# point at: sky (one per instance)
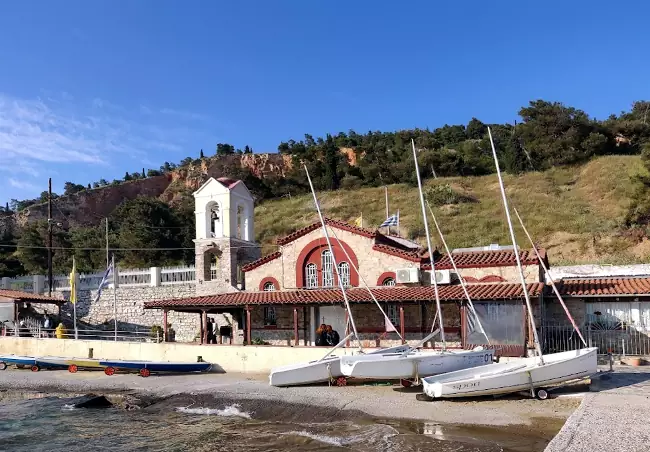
(91, 90)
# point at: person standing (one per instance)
(47, 325)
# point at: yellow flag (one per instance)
(73, 282)
(359, 222)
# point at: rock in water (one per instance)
(91, 401)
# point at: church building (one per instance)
(282, 298)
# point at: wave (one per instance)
(378, 435)
(229, 411)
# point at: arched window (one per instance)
(388, 282)
(344, 271)
(240, 222)
(269, 287)
(213, 267)
(214, 220)
(311, 276)
(327, 266)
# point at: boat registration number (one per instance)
(474, 384)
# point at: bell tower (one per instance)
(225, 238)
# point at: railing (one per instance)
(134, 277)
(177, 275)
(85, 334)
(623, 339)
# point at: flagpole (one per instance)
(114, 293)
(387, 210)
(398, 222)
(74, 297)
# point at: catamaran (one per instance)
(533, 373)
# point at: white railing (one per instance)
(130, 277)
(177, 275)
(134, 277)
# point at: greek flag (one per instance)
(393, 220)
(104, 281)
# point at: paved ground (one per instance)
(614, 417)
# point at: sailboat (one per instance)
(327, 368)
(413, 364)
(535, 373)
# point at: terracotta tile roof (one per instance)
(370, 233)
(393, 251)
(228, 182)
(479, 259)
(604, 286)
(504, 291)
(27, 296)
(261, 261)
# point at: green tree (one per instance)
(225, 149)
(201, 154)
(70, 188)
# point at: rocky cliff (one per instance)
(89, 207)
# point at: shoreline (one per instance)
(514, 416)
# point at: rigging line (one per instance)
(354, 267)
(453, 263)
(4, 245)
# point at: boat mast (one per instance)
(516, 251)
(462, 283)
(430, 248)
(336, 267)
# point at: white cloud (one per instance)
(23, 185)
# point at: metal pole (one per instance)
(516, 251)
(387, 209)
(107, 258)
(336, 267)
(74, 297)
(49, 237)
(453, 264)
(430, 248)
(114, 294)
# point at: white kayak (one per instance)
(319, 371)
(415, 364)
(514, 377)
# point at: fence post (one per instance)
(115, 280)
(39, 284)
(6, 283)
(155, 276)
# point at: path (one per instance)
(615, 417)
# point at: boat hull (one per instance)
(154, 366)
(18, 360)
(317, 371)
(416, 364)
(514, 377)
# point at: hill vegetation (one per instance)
(581, 185)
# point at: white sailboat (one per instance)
(327, 368)
(528, 374)
(413, 364)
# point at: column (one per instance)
(200, 328)
(312, 326)
(347, 327)
(248, 325)
(155, 276)
(204, 335)
(295, 326)
(304, 326)
(165, 334)
(401, 323)
(463, 325)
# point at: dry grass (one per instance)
(576, 212)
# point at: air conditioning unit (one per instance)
(442, 276)
(408, 275)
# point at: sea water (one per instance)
(52, 424)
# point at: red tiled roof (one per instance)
(411, 256)
(604, 286)
(27, 296)
(228, 182)
(504, 291)
(479, 259)
(261, 261)
(328, 221)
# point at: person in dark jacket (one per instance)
(321, 333)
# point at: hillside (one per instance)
(576, 212)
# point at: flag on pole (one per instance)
(390, 221)
(359, 222)
(73, 282)
(104, 282)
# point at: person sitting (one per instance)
(329, 336)
(321, 332)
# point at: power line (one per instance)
(6, 245)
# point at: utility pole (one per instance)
(107, 258)
(49, 237)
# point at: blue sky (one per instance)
(94, 89)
